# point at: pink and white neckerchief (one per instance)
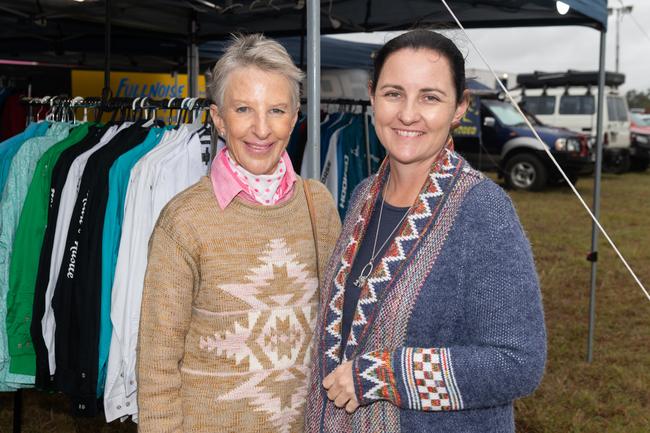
(266, 189)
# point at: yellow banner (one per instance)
(133, 84)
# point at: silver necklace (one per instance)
(368, 268)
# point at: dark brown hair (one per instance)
(423, 39)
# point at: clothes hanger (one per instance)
(151, 121)
(170, 110)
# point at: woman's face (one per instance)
(256, 118)
(415, 104)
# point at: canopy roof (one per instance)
(150, 34)
(335, 53)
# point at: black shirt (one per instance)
(59, 176)
(390, 218)
(77, 296)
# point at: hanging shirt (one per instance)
(77, 295)
(66, 206)
(59, 175)
(330, 174)
(327, 127)
(8, 148)
(13, 117)
(296, 148)
(26, 247)
(169, 168)
(18, 180)
(119, 401)
(118, 180)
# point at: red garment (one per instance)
(14, 117)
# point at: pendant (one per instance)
(363, 276)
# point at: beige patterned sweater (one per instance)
(228, 311)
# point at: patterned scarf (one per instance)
(266, 189)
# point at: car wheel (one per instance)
(639, 164)
(525, 172)
(620, 163)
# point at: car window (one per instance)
(616, 109)
(612, 111)
(640, 120)
(539, 104)
(622, 109)
(505, 112)
(577, 104)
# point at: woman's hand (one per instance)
(340, 387)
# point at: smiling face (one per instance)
(256, 118)
(415, 105)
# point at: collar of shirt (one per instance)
(226, 187)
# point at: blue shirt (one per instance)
(118, 182)
(9, 147)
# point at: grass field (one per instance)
(612, 394)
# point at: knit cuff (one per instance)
(374, 378)
(411, 378)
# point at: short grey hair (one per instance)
(254, 50)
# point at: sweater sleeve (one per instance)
(170, 281)
(505, 340)
(328, 222)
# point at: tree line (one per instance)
(636, 99)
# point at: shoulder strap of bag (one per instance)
(312, 217)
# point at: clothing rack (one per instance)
(364, 104)
(61, 106)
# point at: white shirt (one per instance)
(66, 207)
(169, 168)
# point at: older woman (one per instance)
(430, 316)
(230, 297)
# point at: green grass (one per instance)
(612, 394)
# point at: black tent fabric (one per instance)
(335, 53)
(155, 33)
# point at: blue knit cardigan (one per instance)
(449, 327)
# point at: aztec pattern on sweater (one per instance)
(228, 312)
(389, 374)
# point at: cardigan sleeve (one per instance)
(505, 340)
(171, 278)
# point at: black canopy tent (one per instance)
(153, 35)
(335, 53)
(168, 30)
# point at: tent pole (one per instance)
(106, 91)
(313, 85)
(18, 411)
(302, 38)
(593, 256)
(193, 60)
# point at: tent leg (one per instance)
(193, 60)
(106, 91)
(18, 411)
(302, 38)
(593, 256)
(313, 85)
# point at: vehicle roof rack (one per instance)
(539, 79)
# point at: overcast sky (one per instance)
(525, 49)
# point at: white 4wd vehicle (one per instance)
(568, 100)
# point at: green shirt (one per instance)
(19, 178)
(26, 253)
